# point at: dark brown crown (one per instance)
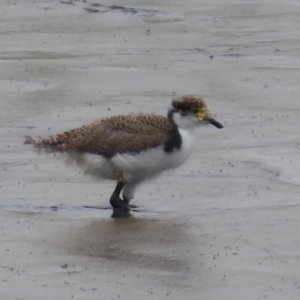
(188, 103)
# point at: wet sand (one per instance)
(226, 224)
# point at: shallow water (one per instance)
(225, 225)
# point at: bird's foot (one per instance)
(119, 213)
(120, 208)
(127, 201)
(118, 203)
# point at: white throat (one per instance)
(188, 122)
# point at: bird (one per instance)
(131, 149)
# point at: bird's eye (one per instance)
(195, 110)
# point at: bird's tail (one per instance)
(29, 140)
(51, 144)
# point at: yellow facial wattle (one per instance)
(201, 114)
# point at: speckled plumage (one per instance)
(131, 148)
(117, 134)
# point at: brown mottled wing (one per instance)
(119, 134)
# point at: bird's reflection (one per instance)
(143, 241)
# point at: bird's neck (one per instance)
(174, 140)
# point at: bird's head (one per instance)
(191, 111)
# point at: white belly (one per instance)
(140, 166)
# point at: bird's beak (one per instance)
(214, 122)
(203, 115)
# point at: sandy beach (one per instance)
(225, 226)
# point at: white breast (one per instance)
(150, 163)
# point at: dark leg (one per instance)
(120, 208)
